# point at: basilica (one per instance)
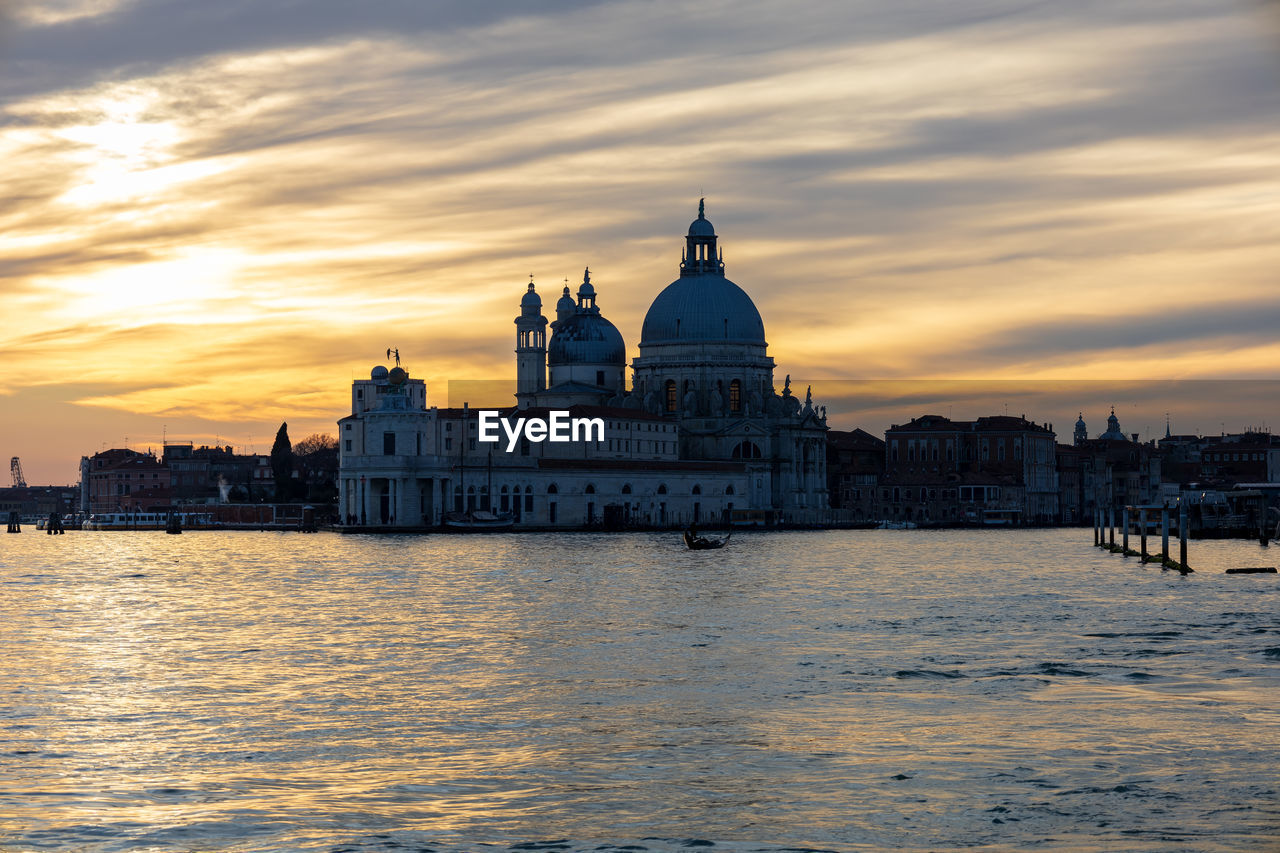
(701, 435)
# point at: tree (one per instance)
(317, 457)
(282, 463)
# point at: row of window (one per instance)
(589, 490)
(1234, 457)
(965, 494)
(928, 450)
(672, 394)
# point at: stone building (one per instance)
(701, 433)
(993, 470)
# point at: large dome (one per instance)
(704, 308)
(586, 339)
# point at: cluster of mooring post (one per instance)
(15, 526)
(1104, 518)
(54, 525)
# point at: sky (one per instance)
(213, 216)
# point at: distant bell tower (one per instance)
(1082, 431)
(531, 344)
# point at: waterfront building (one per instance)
(993, 470)
(123, 480)
(1116, 470)
(701, 433)
(215, 475)
(855, 465)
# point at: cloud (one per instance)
(249, 197)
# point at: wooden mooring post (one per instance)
(15, 524)
(1111, 526)
(1142, 534)
(1182, 537)
(1164, 537)
(1141, 514)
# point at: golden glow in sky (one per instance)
(213, 217)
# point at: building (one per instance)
(1114, 470)
(37, 501)
(701, 433)
(217, 475)
(855, 465)
(123, 480)
(993, 470)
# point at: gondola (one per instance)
(702, 543)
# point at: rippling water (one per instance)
(835, 690)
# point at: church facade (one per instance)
(700, 435)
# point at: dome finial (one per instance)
(702, 209)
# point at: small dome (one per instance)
(397, 376)
(565, 307)
(531, 299)
(378, 373)
(586, 339)
(701, 227)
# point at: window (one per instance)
(388, 444)
(673, 402)
(600, 377)
(448, 444)
(348, 445)
(735, 396)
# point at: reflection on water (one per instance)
(843, 689)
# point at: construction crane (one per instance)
(15, 468)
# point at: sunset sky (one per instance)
(214, 215)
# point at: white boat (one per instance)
(144, 520)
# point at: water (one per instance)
(838, 690)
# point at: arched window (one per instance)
(551, 490)
(746, 450)
(735, 396)
(673, 401)
(590, 489)
(626, 488)
(728, 490)
(697, 490)
(662, 488)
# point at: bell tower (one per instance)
(531, 344)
